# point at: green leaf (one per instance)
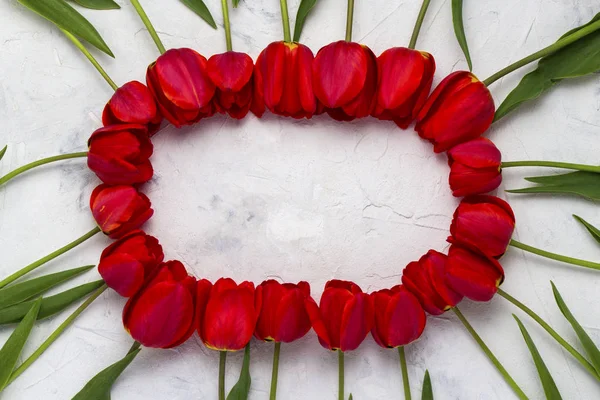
(98, 4)
(459, 29)
(585, 184)
(575, 60)
(595, 232)
(67, 18)
(350, 397)
(20, 292)
(201, 10)
(235, 3)
(50, 305)
(303, 10)
(550, 388)
(242, 387)
(427, 389)
(99, 387)
(3, 151)
(10, 352)
(587, 343)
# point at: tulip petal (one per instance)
(292, 321)
(473, 275)
(122, 273)
(357, 321)
(405, 319)
(318, 324)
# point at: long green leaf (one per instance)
(20, 292)
(3, 151)
(587, 343)
(98, 4)
(67, 18)
(427, 388)
(201, 10)
(99, 387)
(550, 388)
(242, 387)
(585, 184)
(304, 9)
(50, 305)
(235, 3)
(10, 352)
(595, 232)
(459, 29)
(578, 59)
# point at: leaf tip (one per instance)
(3, 151)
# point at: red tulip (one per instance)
(475, 167)
(473, 274)
(460, 109)
(345, 80)
(120, 154)
(399, 317)
(181, 86)
(485, 223)
(119, 210)
(231, 73)
(344, 317)
(132, 103)
(283, 316)
(162, 314)
(283, 81)
(227, 314)
(405, 78)
(126, 264)
(426, 279)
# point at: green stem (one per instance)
(43, 161)
(91, 58)
(55, 335)
(341, 375)
(490, 355)
(349, 20)
(49, 257)
(578, 167)
(285, 19)
(227, 24)
(138, 7)
(544, 52)
(404, 369)
(578, 356)
(553, 256)
(222, 360)
(418, 24)
(275, 373)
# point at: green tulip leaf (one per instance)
(427, 388)
(595, 232)
(350, 397)
(20, 292)
(10, 352)
(548, 384)
(201, 10)
(235, 3)
(580, 58)
(98, 4)
(242, 387)
(67, 18)
(304, 9)
(590, 348)
(3, 152)
(99, 387)
(580, 183)
(459, 29)
(50, 305)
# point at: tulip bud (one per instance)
(132, 103)
(475, 167)
(231, 73)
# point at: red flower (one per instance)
(132, 103)
(119, 210)
(426, 279)
(162, 314)
(283, 81)
(460, 109)
(473, 274)
(485, 223)
(231, 73)
(345, 80)
(399, 317)
(344, 317)
(283, 316)
(227, 314)
(120, 154)
(126, 264)
(474, 167)
(181, 86)
(405, 78)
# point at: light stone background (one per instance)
(293, 200)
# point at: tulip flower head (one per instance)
(475, 167)
(231, 73)
(132, 103)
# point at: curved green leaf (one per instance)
(235, 3)
(459, 29)
(242, 387)
(587, 343)
(67, 18)
(427, 389)
(10, 352)
(584, 184)
(3, 151)
(201, 10)
(98, 4)
(595, 232)
(304, 9)
(550, 388)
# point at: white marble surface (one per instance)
(295, 200)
